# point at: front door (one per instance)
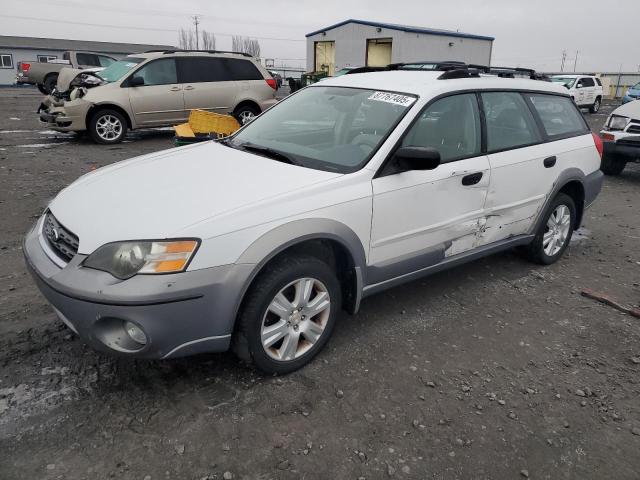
(159, 101)
(422, 217)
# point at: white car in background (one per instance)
(351, 186)
(621, 136)
(586, 90)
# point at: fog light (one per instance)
(136, 333)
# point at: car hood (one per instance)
(158, 195)
(631, 110)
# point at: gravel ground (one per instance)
(498, 369)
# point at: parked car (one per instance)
(585, 90)
(158, 89)
(45, 74)
(346, 188)
(621, 135)
(277, 77)
(633, 93)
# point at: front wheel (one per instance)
(107, 127)
(49, 84)
(554, 235)
(611, 164)
(288, 314)
(595, 108)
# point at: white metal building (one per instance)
(33, 49)
(357, 43)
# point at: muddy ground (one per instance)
(498, 369)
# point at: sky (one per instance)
(528, 33)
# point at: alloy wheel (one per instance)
(109, 127)
(246, 116)
(557, 230)
(295, 319)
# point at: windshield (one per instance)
(326, 128)
(119, 69)
(566, 81)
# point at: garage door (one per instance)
(325, 57)
(379, 52)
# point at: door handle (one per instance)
(174, 89)
(471, 179)
(188, 87)
(549, 162)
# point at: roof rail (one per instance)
(471, 70)
(179, 50)
(429, 65)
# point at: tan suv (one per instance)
(156, 89)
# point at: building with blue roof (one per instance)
(357, 43)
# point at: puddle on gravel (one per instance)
(41, 145)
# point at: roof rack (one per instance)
(178, 50)
(428, 65)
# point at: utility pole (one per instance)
(564, 57)
(196, 22)
(575, 63)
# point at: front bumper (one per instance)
(181, 314)
(621, 145)
(71, 117)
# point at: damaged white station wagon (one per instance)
(347, 187)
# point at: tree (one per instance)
(208, 40)
(245, 45)
(186, 39)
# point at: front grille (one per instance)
(633, 128)
(62, 241)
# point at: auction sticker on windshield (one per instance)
(395, 98)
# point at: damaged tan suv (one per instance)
(157, 89)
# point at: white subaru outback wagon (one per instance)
(348, 187)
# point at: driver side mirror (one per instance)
(417, 158)
(136, 81)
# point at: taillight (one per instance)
(599, 144)
(26, 66)
(272, 83)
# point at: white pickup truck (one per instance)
(585, 90)
(45, 74)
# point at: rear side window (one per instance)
(586, 82)
(158, 72)
(451, 125)
(243, 69)
(88, 59)
(559, 115)
(598, 82)
(510, 123)
(202, 69)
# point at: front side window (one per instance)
(450, 125)
(566, 81)
(586, 82)
(559, 115)
(158, 72)
(6, 60)
(510, 123)
(119, 69)
(326, 128)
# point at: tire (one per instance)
(595, 108)
(544, 251)
(41, 88)
(107, 127)
(49, 83)
(298, 334)
(245, 113)
(612, 164)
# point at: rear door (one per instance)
(159, 101)
(521, 174)
(208, 84)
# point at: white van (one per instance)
(585, 90)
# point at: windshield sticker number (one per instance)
(394, 98)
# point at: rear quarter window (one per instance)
(242, 69)
(559, 115)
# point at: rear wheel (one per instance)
(49, 83)
(554, 235)
(107, 127)
(288, 314)
(595, 108)
(611, 164)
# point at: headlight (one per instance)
(618, 123)
(126, 259)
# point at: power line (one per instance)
(149, 29)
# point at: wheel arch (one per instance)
(572, 183)
(249, 102)
(107, 106)
(326, 239)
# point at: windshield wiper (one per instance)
(268, 152)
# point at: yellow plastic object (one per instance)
(184, 131)
(202, 121)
